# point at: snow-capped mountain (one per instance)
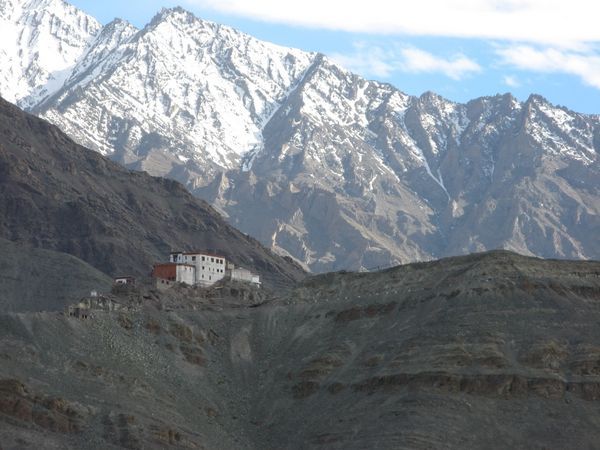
(179, 89)
(40, 41)
(319, 163)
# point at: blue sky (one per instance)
(467, 49)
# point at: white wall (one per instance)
(209, 268)
(244, 275)
(186, 274)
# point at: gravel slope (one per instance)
(486, 351)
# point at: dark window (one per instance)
(203, 258)
(193, 258)
(212, 259)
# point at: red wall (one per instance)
(165, 271)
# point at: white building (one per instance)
(198, 268)
(210, 268)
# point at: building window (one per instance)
(193, 258)
(203, 258)
(212, 259)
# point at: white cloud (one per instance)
(559, 22)
(368, 61)
(375, 61)
(419, 61)
(585, 65)
(511, 81)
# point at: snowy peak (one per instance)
(103, 50)
(181, 88)
(560, 131)
(41, 42)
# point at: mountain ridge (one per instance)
(388, 177)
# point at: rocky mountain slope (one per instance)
(344, 172)
(57, 195)
(487, 351)
(33, 279)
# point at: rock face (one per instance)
(492, 350)
(322, 165)
(59, 196)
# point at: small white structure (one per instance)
(241, 274)
(124, 280)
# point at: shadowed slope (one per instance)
(57, 195)
(42, 280)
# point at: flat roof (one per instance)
(173, 264)
(201, 253)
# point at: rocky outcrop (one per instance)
(54, 414)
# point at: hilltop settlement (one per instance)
(201, 268)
